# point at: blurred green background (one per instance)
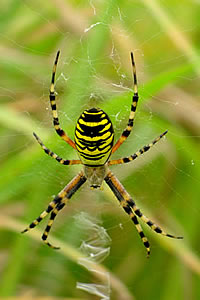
(95, 39)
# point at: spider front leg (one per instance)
(136, 154)
(52, 98)
(130, 207)
(57, 204)
(129, 126)
(54, 155)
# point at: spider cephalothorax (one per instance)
(94, 143)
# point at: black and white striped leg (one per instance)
(54, 155)
(136, 154)
(129, 126)
(52, 98)
(133, 217)
(50, 223)
(66, 193)
(130, 207)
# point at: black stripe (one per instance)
(158, 230)
(113, 188)
(134, 156)
(60, 131)
(130, 122)
(127, 209)
(126, 133)
(53, 77)
(32, 225)
(141, 233)
(131, 202)
(147, 245)
(146, 148)
(133, 108)
(58, 158)
(53, 106)
(93, 131)
(135, 97)
(126, 159)
(52, 96)
(47, 151)
(149, 223)
(48, 227)
(76, 187)
(44, 237)
(92, 118)
(93, 146)
(60, 206)
(92, 158)
(92, 149)
(138, 213)
(135, 220)
(94, 155)
(92, 143)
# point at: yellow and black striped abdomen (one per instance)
(94, 137)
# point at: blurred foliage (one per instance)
(95, 39)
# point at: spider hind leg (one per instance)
(50, 223)
(57, 204)
(50, 207)
(133, 217)
(130, 208)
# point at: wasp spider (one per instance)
(94, 142)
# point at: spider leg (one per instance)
(129, 126)
(67, 193)
(54, 155)
(136, 154)
(50, 223)
(130, 207)
(52, 98)
(133, 217)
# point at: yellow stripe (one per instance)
(44, 214)
(105, 128)
(92, 113)
(132, 114)
(97, 151)
(107, 142)
(96, 138)
(86, 151)
(55, 115)
(52, 88)
(79, 128)
(50, 222)
(78, 142)
(139, 229)
(93, 124)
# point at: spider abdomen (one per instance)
(94, 137)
